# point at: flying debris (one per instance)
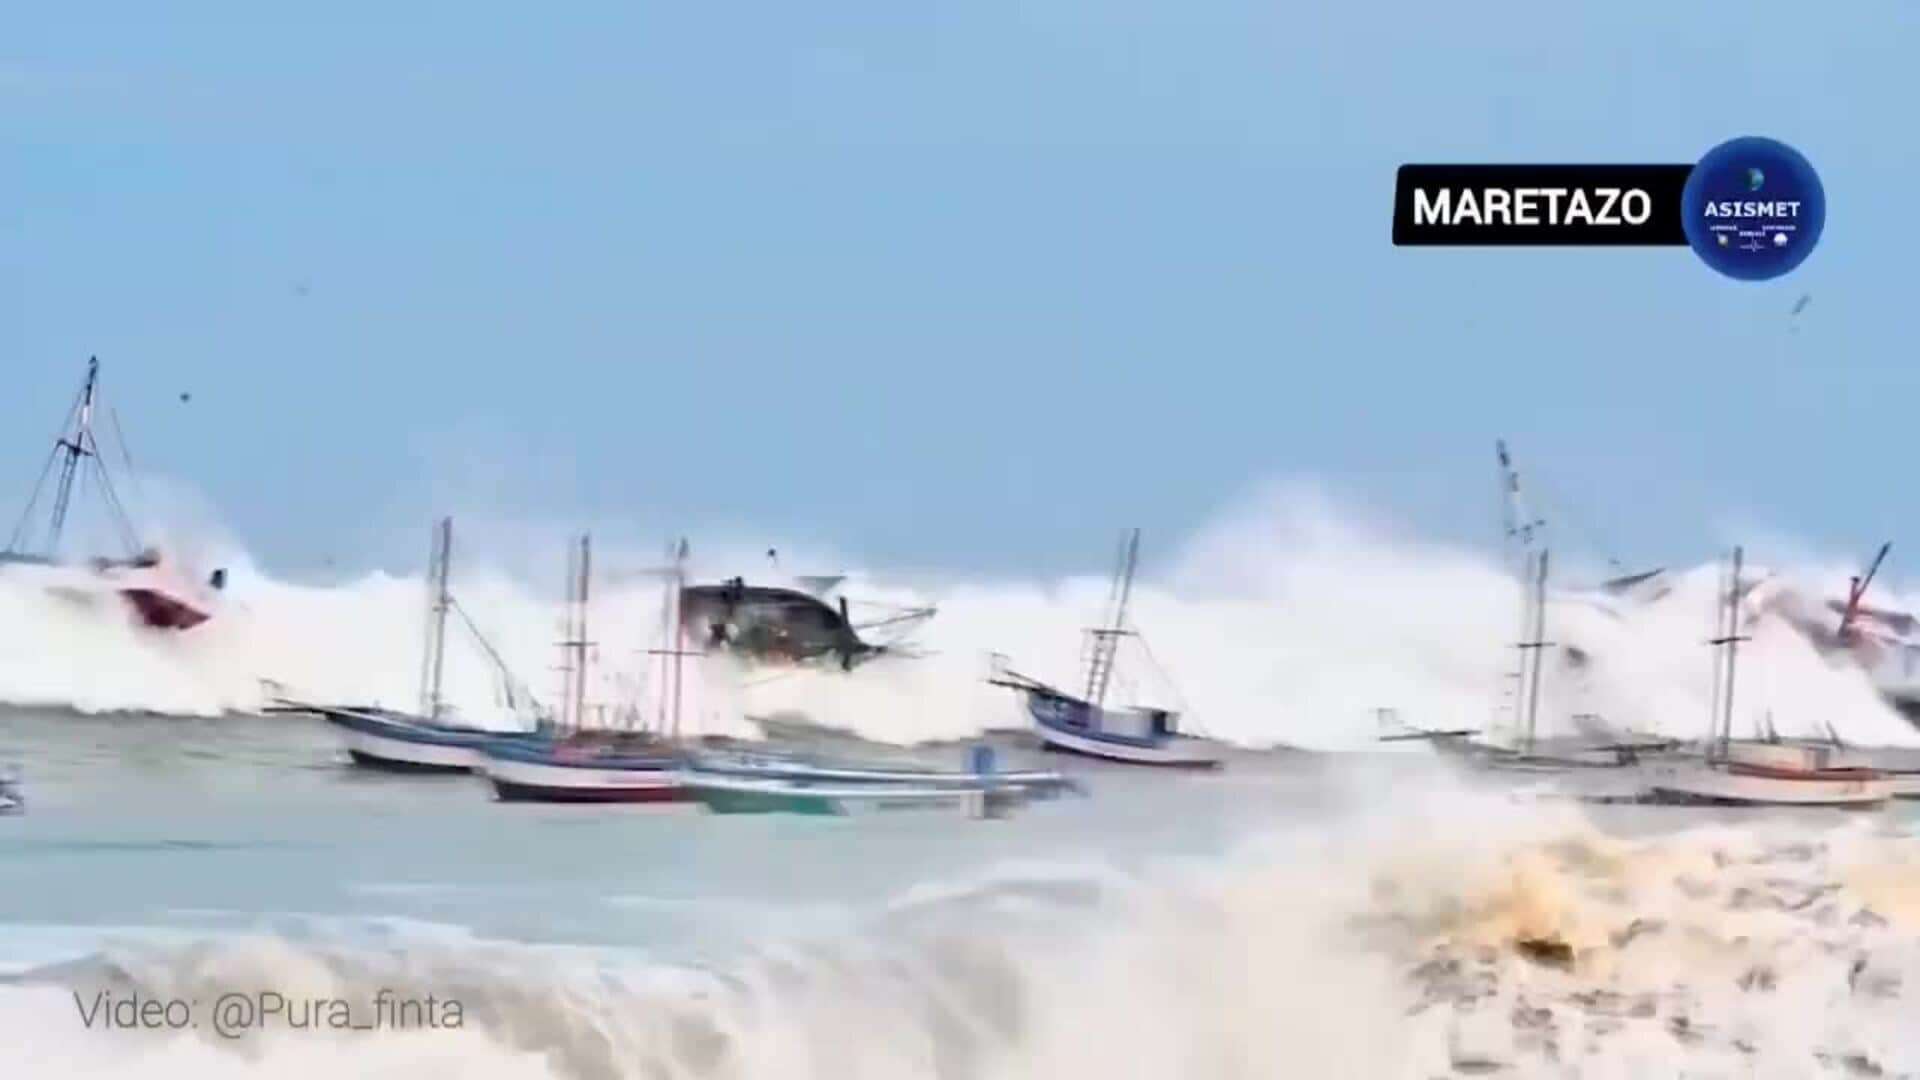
(1800, 305)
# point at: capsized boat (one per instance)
(1086, 724)
(1760, 773)
(160, 593)
(432, 740)
(781, 624)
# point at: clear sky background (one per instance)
(956, 285)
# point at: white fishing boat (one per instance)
(583, 760)
(432, 740)
(155, 588)
(13, 798)
(1760, 773)
(1087, 724)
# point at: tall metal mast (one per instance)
(574, 646)
(439, 601)
(672, 637)
(1532, 650)
(1518, 521)
(78, 445)
(73, 448)
(1106, 639)
(1728, 639)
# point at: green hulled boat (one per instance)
(741, 795)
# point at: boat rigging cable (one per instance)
(69, 452)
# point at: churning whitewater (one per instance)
(1285, 623)
(1370, 945)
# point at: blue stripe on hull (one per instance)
(1074, 751)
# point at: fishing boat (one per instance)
(586, 767)
(13, 799)
(745, 795)
(582, 762)
(155, 588)
(760, 766)
(1086, 724)
(1521, 749)
(431, 740)
(782, 786)
(1760, 773)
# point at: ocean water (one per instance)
(1366, 916)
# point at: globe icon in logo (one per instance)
(1753, 208)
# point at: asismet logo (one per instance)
(1753, 208)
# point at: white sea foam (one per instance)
(1284, 622)
(1522, 940)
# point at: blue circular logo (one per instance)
(1753, 208)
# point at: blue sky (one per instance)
(965, 286)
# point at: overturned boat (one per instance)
(1086, 724)
(157, 590)
(780, 624)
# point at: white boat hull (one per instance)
(377, 750)
(1175, 751)
(1702, 785)
(539, 781)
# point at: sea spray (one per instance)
(1424, 931)
(1283, 623)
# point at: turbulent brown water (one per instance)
(1293, 915)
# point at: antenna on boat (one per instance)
(1106, 639)
(439, 600)
(1518, 521)
(1727, 639)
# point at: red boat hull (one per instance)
(163, 611)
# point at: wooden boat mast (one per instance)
(439, 602)
(1106, 638)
